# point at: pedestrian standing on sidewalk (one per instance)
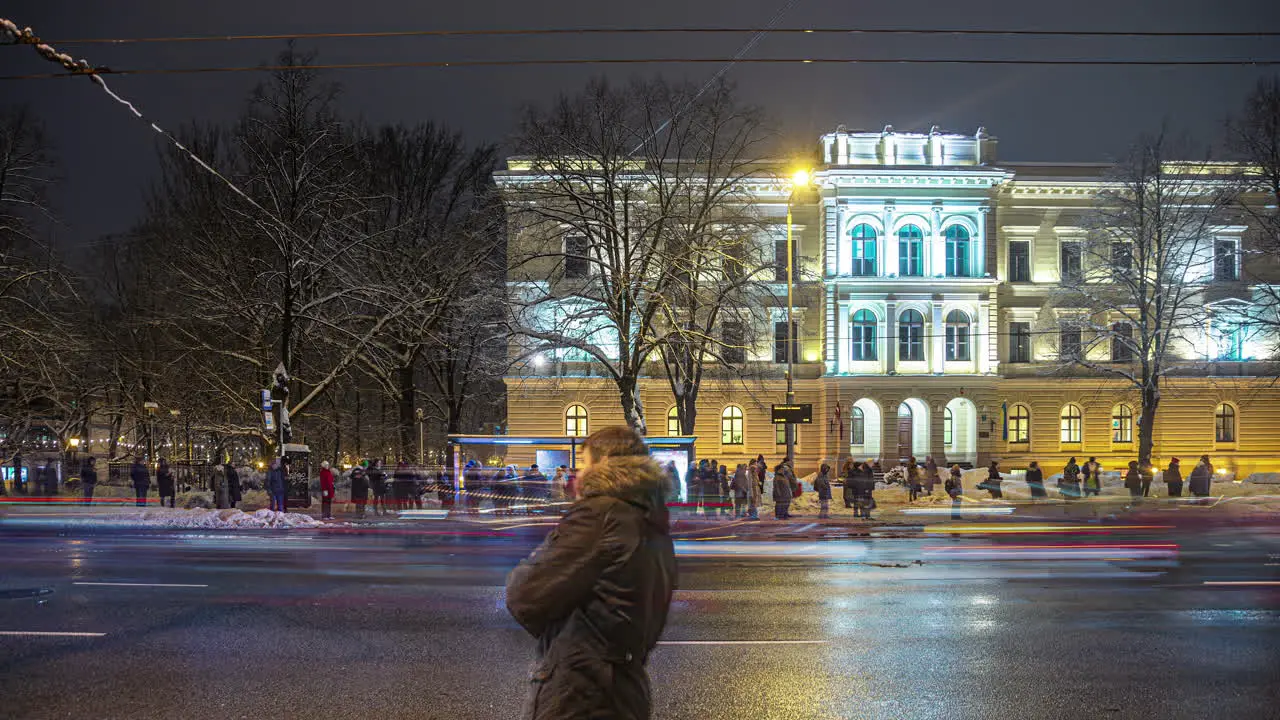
(722, 487)
(1200, 482)
(993, 480)
(1070, 483)
(378, 486)
(1133, 480)
(234, 491)
(166, 484)
(822, 486)
(401, 486)
(864, 486)
(326, 491)
(1035, 481)
(698, 487)
(930, 475)
(276, 486)
(88, 479)
(1092, 472)
(847, 472)
(783, 490)
(1173, 478)
(955, 488)
(596, 593)
(359, 489)
(913, 478)
(741, 487)
(141, 479)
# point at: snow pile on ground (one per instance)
(211, 519)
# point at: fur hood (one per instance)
(635, 479)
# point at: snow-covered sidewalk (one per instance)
(206, 519)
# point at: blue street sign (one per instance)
(266, 401)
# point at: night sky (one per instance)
(1071, 114)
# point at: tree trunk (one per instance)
(632, 408)
(689, 413)
(407, 418)
(1147, 422)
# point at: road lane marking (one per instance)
(743, 642)
(35, 633)
(125, 584)
(1242, 582)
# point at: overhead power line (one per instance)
(102, 70)
(669, 30)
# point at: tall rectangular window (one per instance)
(733, 339)
(1121, 259)
(1069, 267)
(780, 259)
(1019, 342)
(780, 342)
(1069, 344)
(732, 261)
(1226, 265)
(577, 264)
(1121, 342)
(1019, 261)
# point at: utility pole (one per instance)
(798, 179)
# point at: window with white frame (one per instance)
(1019, 424)
(957, 329)
(862, 336)
(911, 335)
(1226, 259)
(910, 251)
(575, 421)
(857, 427)
(1121, 342)
(1070, 267)
(1224, 424)
(1122, 424)
(1019, 342)
(863, 247)
(957, 237)
(1019, 261)
(948, 427)
(731, 426)
(1072, 422)
(577, 262)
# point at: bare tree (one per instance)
(619, 191)
(1138, 300)
(1255, 137)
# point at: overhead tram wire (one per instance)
(1268, 62)
(673, 30)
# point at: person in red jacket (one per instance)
(326, 491)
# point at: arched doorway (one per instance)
(960, 431)
(865, 429)
(913, 429)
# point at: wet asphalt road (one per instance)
(405, 625)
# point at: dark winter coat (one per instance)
(741, 483)
(1201, 479)
(377, 480)
(233, 483)
(1173, 474)
(164, 481)
(784, 484)
(596, 594)
(864, 484)
(850, 491)
(1133, 479)
(88, 476)
(822, 486)
(140, 476)
(276, 482)
(360, 485)
(1035, 480)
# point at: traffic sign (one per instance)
(269, 420)
(266, 401)
(801, 413)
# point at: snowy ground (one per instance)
(206, 519)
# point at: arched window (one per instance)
(863, 244)
(1071, 421)
(911, 335)
(862, 335)
(673, 421)
(948, 427)
(957, 251)
(731, 426)
(1122, 424)
(857, 427)
(575, 421)
(957, 335)
(910, 251)
(1224, 424)
(1019, 424)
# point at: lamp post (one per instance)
(151, 429)
(420, 416)
(798, 179)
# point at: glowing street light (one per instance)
(799, 179)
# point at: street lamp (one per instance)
(799, 178)
(420, 416)
(151, 429)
